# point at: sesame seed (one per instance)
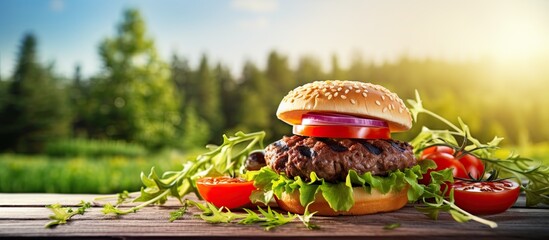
(335, 94)
(400, 110)
(327, 94)
(385, 109)
(339, 89)
(378, 103)
(364, 94)
(383, 97)
(343, 97)
(329, 97)
(346, 91)
(357, 91)
(353, 101)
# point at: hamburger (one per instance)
(341, 159)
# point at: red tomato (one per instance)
(225, 191)
(444, 149)
(472, 164)
(485, 197)
(444, 157)
(342, 131)
(444, 161)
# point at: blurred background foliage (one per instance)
(95, 134)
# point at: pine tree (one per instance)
(253, 97)
(206, 98)
(134, 97)
(195, 131)
(182, 77)
(336, 72)
(36, 108)
(278, 72)
(228, 93)
(308, 70)
(280, 77)
(78, 93)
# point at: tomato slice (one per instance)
(485, 197)
(225, 191)
(342, 131)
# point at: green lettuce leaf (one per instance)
(338, 195)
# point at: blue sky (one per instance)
(233, 31)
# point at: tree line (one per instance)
(141, 98)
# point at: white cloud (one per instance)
(57, 5)
(257, 6)
(254, 24)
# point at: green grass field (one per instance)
(113, 174)
(20, 173)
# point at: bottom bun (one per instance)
(365, 203)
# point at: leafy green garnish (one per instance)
(338, 195)
(122, 197)
(533, 171)
(306, 218)
(268, 219)
(228, 158)
(177, 214)
(391, 226)
(434, 201)
(63, 214)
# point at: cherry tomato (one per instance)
(485, 197)
(472, 164)
(444, 149)
(342, 131)
(464, 166)
(225, 191)
(444, 161)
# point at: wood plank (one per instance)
(43, 199)
(340, 226)
(26, 218)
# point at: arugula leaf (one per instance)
(177, 214)
(391, 226)
(268, 219)
(63, 214)
(223, 159)
(306, 218)
(122, 197)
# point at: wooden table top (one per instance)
(24, 216)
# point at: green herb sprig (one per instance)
(228, 158)
(434, 201)
(63, 214)
(268, 219)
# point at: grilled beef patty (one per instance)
(332, 159)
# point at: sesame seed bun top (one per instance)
(345, 97)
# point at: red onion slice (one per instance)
(340, 119)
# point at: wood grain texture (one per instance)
(24, 215)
